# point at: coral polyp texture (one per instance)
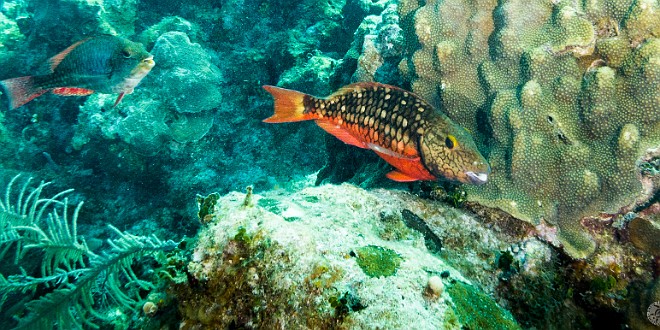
(563, 96)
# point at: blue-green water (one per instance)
(143, 218)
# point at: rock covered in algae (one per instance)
(563, 97)
(299, 259)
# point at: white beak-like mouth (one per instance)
(477, 178)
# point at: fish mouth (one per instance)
(477, 178)
(147, 63)
(133, 79)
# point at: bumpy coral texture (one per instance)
(563, 96)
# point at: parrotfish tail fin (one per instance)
(21, 90)
(289, 105)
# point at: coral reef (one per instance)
(563, 96)
(151, 123)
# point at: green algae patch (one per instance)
(206, 205)
(476, 310)
(376, 261)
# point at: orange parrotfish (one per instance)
(104, 64)
(407, 132)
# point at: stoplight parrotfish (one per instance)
(403, 129)
(104, 64)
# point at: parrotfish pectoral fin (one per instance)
(119, 98)
(21, 90)
(72, 91)
(57, 59)
(340, 133)
(289, 105)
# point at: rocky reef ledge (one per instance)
(337, 257)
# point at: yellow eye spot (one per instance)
(451, 142)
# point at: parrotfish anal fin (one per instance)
(119, 98)
(340, 133)
(57, 59)
(289, 105)
(72, 91)
(408, 169)
(400, 177)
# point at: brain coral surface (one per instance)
(563, 96)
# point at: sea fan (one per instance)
(74, 277)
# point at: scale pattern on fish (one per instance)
(403, 129)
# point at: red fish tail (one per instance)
(21, 90)
(289, 105)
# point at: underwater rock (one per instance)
(309, 259)
(382, 42)
(54, 21)
(11, 33)
(377, 261)
(645, 234)
(312, 75)
(186, 74)
(149, 36)
(564, 97)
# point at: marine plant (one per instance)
(77, 287)
(205, 205)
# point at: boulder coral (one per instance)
(563, 96)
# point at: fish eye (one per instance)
(450, 142)
(125, 53)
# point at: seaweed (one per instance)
(76, 284)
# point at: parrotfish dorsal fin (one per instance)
(57, 59)
(364, 85)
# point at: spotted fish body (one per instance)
(404, 130)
